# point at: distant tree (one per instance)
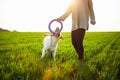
(4, 30)
(15, 31)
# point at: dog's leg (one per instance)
(43, 53)
(54, 53)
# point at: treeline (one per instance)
(5, 30)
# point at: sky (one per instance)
(35, 15)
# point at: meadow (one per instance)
(20, 54)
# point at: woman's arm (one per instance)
(91, 12)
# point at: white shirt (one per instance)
(81, 11)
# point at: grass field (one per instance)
(20, 54)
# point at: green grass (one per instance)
(20, 54)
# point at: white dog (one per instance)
(50, 43)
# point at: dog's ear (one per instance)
(47, 35)
(61, 37)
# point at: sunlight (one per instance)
(35, 15)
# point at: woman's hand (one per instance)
(93, 22)
(59, 19)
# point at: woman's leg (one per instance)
(77, 41)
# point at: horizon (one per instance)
(64, 30)
(61, 31)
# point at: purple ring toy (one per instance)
(49, 27)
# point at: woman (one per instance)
(81, 11)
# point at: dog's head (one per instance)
(57, 34)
